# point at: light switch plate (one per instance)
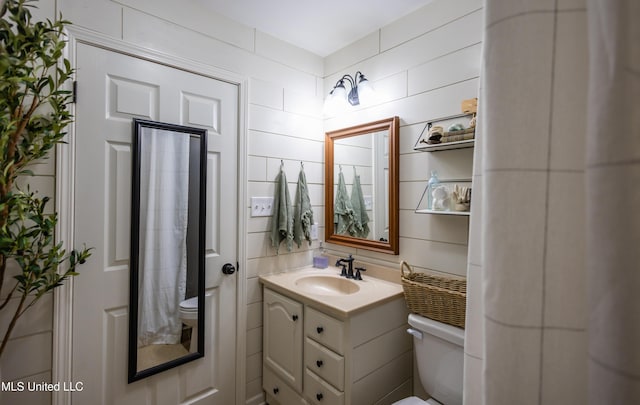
(368, 202)
(314, 231)
(261, 206)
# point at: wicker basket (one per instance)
(440, 298)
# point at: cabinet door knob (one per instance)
(295, 318)
(319, 363)
(275, 391)
(320, 329)
(319, 396)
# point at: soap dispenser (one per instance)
(320, 258)
(431, 185)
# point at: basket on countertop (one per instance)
(437, 297)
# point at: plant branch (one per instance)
(33, 116)
(6, 300)
(3, 268)
(12, 324)
(11, 152)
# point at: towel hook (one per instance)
(340, 168)
(281, 163)
(302, 164)
(354, 170)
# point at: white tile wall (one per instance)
(38, 319)
(458, 66)
(428, 62)
(458, 34)
(27, 356)
(275, 49)
(437, 14)
(360, 50)
(408, 61)
(25, 397)
(197, 18)
(265, 94)
(102, 16)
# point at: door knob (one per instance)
(228, 268)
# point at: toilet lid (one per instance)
(190, 305)
(410, 401)
(417, 401)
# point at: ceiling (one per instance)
(319, 26)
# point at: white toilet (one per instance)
(439, 356)
(189, 316)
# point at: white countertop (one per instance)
(372, 291)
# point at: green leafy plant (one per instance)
(34, 112)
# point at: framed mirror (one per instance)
(362, 186)
(166, 290)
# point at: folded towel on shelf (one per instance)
(435, 133)
(282, 221)
(343, 217)
(453, 136)
(456, 138)
(302, 212)
(360, 228)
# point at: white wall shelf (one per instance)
(447, 210)
(422, 146)
(461, 213)
(446, 146)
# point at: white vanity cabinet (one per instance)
(324, 357)
(282, 346)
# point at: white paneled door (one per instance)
(113, 88)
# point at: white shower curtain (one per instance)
(164, 182)
(554, 253)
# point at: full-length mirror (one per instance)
(166, 307)
(361, 186)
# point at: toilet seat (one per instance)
(189, 305)
(417, 401)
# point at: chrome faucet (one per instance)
(349, 262)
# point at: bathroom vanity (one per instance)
(329, 340)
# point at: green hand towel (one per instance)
(360, 228)
(342, 211)
(282, 221)
(303, 213)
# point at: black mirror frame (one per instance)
(133, 373)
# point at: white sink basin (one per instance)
(326, 285)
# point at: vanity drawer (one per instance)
(317, 391)
(277, 389)
(325, 363)
(324, 329)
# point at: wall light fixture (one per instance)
(361, 93)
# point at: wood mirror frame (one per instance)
(391, 245)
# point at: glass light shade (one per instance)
(366, 93)
(336, 101)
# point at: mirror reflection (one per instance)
(361, 207)
(167, 247)
(361, 186)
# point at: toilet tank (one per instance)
(439, 356)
